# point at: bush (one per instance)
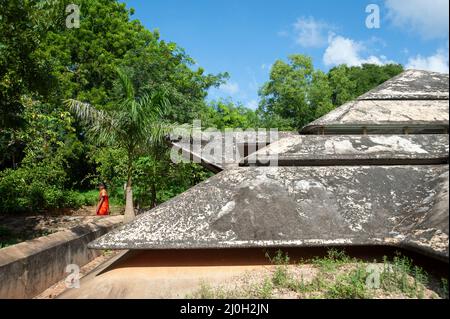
(35, 188)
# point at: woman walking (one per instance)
(103, 201)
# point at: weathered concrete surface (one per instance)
(180, 274)
(300, 206)
(166, 274)
(217, 151)
(28, 268)
(414, 102)
(305, 150)
(391, 117)
(412, 85)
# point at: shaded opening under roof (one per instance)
(375, 129)
(258, 256)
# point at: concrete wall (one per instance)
(28, 268)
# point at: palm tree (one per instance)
(132, 123)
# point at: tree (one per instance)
(226, 114)
(344, 89)
(164, 64)
(320, 93)
(296, 94)
(287, 92)
(132, 123)
(23, 71)
(348, 83)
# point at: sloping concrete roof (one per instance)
(415, 100)
(326, 190)
(304, 150)
(300, 206)
(412, 85)
(242, 144)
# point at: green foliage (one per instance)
(347, 83)
(335, 276)
(280, 276)
(401, 275)
(110, 168)
(332, 261)
(158, 180)
(36, 187)
(350, 285)
(279, 259)
(226, 114)
(287, 91)
(22, 70)
(296, 94)
(266, 290)
(50, 157)
(44, 63)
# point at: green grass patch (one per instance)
(336, 276)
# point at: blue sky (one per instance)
(245, 37)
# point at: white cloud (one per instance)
(311, 33)
(347, 51)
(429, 18)
(253, 104)
(342, 51)
(437, 62)
(230, 88)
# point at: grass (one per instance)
(337, 276)
(349, 285)
(332, 261)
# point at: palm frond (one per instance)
(101, 127)
(84, 111)
(126, 84)
(158, 133)
(136, 124)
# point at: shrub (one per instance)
(35, 188)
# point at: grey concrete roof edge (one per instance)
(339, 242)
(360, 204)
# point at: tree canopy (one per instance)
(52, 152)
(296, 93)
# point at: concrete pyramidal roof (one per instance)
(413, 102)
(300, 206)
(213, 153)
(412, 85)
(304, 150)
(327, 190)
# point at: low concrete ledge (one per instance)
(28, 268)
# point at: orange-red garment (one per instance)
(104, 208)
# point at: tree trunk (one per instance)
(153, 190)
(129, 206)
(153, 195)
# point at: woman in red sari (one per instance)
(103, 201)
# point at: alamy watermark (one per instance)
(73, 279)
(373, 20)
(192, 144)
(73, 17)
